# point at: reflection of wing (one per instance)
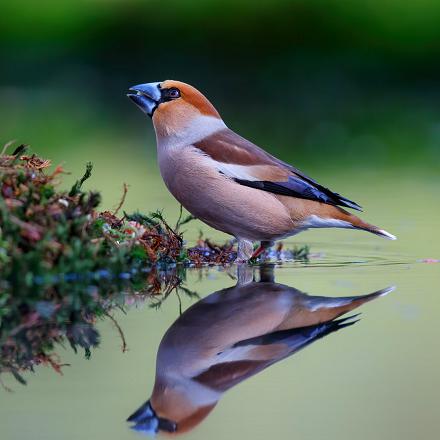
(230, 336)
(248, 357)
(298, 338)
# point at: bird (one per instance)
(230, 183)
(229, 336)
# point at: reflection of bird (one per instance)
(230, 183)
(227, 337)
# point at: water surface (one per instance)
(377, 378)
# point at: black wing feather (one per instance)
(225, 144)
(303, 188)
(299, 338)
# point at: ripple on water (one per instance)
(341, 254)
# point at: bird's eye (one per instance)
(173, 93)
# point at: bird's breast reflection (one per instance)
(228, 337)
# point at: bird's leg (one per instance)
(267, 274)
(264, 245)
(245, 249)
(245, 274)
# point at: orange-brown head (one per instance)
(174, 408)
(173, 105)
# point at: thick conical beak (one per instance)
(146, 96)
(145, 420)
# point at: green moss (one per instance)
(64, 264)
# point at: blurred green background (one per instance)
(348, 91)
(333, 86)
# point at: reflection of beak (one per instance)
(145, 420)
(146, 97)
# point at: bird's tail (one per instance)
(360, 224)
(334, 216)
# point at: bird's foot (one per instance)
(264, 246)
(258, 252)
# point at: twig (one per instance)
(77, 186)
(124, 195)
(118, 328)
(7, 145)
(4, 386)
(180, 302)
(181, 222)
(180, 218)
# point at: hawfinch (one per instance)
(228, 337)
(230, 183)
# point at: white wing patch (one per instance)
(235, 171)
(313, 221)
(232, 171)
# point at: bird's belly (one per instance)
(220, 202)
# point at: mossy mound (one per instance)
(64, 264)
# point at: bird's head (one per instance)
(176, 108)
(172, 409)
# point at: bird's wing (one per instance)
(233, 367)
(249, 165)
